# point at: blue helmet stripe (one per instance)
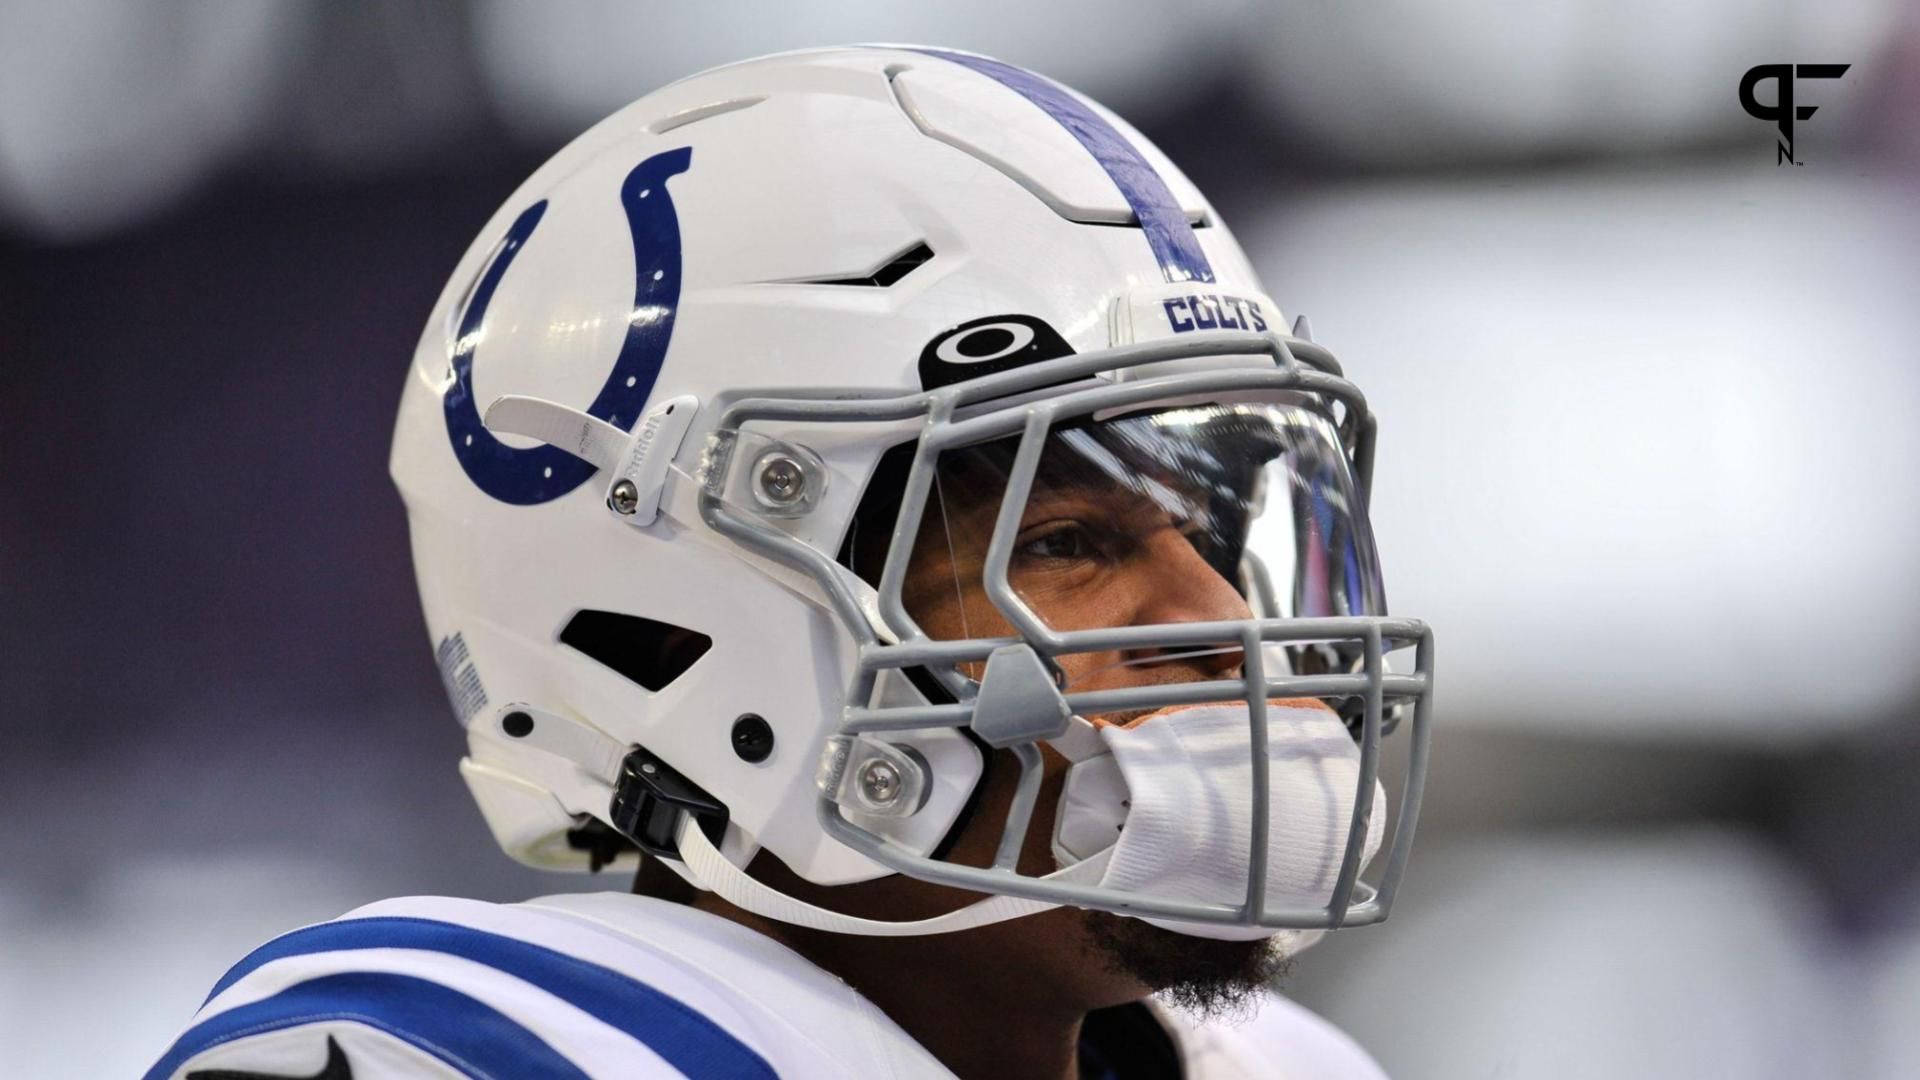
(471, 1037)
(1168, 232)
(687, 1040)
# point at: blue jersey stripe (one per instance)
(472, 1037)
(1168, 232)
(687, 1040)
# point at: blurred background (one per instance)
(1649, 463)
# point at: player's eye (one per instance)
(1058, 541)
(1204, 534)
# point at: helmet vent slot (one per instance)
(647, 651)
(704, 112)
(886, 273)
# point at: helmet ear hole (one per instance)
(647, 651)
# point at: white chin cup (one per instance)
(1173, 798)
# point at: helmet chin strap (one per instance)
(714, 872)
(579, 764)
(717, 874)
(708, 869)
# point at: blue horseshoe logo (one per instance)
(538, 474)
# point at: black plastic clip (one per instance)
(649, 799)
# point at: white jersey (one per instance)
(606, 985)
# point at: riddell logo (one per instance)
(1782, 112)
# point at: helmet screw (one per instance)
(624, 498)
(752, 738)
(781, 480)
(879, 782)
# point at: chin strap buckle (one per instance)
(649, 800)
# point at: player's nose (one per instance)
(1177, 585)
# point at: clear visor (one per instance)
(1109, 567)
(1175, 515)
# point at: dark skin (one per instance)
(1086, 557)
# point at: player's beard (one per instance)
(1204, 977)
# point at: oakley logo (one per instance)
(1782, 111)
(988, 346)
(979, 344)
(1213, 311)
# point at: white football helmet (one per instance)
(652, 411)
